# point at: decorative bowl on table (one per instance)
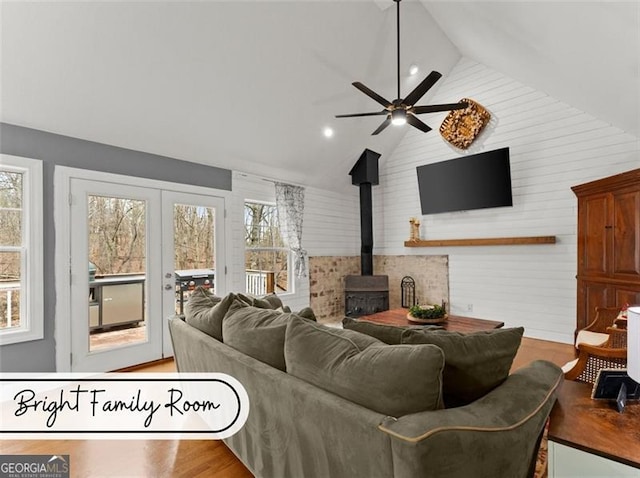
(427, 314)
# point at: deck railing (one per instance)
(7, 289)
(257, 282)
(260, 282)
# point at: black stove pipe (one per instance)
(366, 230)
(365, 174)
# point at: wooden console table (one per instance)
(590, 438)
(455, 323)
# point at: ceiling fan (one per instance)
(401, 111)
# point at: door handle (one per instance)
(168, 287)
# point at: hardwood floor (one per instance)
(193, 458)
(534, 349)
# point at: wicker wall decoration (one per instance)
(461, 127)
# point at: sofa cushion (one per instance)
(205, 312)
(475, 363)
(392, 379)
(256, 332)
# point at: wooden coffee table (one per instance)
(455, 323)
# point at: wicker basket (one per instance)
(461, 127)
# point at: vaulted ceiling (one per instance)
(251, 85)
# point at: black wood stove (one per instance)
(367, 293)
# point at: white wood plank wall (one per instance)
(331, 228)
(553, 147)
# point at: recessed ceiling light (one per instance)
(413, 69)
(328, 132)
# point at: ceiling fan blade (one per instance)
(422, 88)
(418, 110)
(413, 121)
(383, 112)
(372, 94)
(384, 124)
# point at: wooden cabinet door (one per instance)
(625, 251)
(590, 296)
(626, 295)
(608, 244)
(594, 228)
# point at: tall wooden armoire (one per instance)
(608, 244)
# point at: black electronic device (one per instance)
(615, 384)
(475, 181)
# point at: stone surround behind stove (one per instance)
(327, 273)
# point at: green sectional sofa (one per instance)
(332, 403)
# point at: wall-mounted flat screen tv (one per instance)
(476, 181)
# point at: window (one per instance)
(267, 257)
(21, 250)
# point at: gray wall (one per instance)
(56, 150)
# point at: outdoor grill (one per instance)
(188, 279)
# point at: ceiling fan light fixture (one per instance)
(398, 117)
(401, 111)
(413, 69)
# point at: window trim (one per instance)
(291, 283)
(32, 273)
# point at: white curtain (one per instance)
(290, 204)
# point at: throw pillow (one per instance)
(206, 315)
(273, 300)
(387, 333)
(475, 363)
(201, 297)
(394, 380)
(269, 301)
(307, 313)
(256, 332)
(248, 299)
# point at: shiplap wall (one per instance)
(553, 147)
(331, 227)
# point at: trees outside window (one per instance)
(11, 250)
(117, 231)
(267, 258)
(194, 233)
(21, 249)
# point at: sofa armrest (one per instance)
(496, 435)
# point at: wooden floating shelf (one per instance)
(490, 241)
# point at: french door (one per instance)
(193, 250)
(127, 245)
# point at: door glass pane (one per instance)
(117, 272)
(194, 250)
(9, 289)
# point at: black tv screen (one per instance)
(476, 181)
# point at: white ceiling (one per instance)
(250, 85)
(586, 54)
